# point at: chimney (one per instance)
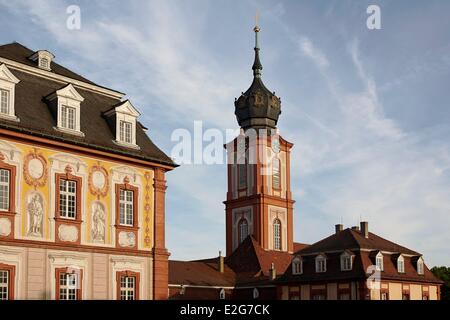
(365, 229)
(273, 272)
(356, 228)
(221, 263)
(339, 228)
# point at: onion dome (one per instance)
(258, 107)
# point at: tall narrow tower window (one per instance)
(243, 230)
(277, 234)
(242, 173)
(276, 177)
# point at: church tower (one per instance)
(259, 201)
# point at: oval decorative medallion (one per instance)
(35, 169)
(98, 181)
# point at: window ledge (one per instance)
(127, 145)
(69, 131)
(9, 117)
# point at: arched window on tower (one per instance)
(277, 234)
(242, 230)
(276, 176)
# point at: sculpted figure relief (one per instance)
(35, 213)
(98, 222)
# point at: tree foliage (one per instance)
(443, 273)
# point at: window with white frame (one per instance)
(346, 262)
(67, 199)
(4, 285)
(44, 63)
(321, 264)
(420, 268)
(277, 234)
(126, 132)
(68, 286)
(401, 264)
(126, 207)
(379, 262)
(297, 266)
(68, 117)
(243, 230)
(4, 101)
(4, 189)
(127, 288)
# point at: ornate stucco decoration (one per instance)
(98, 181)
(147, 208)
(35, 169)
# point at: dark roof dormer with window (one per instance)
(258, 107)
(40, 93)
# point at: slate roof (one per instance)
(364, 251)
(36, 118)
(249, 264)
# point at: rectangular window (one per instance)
(68, 116)
(319, 297)
(43, 62)
(401, 266)
(346, 263)
(126, 131)
(127, 288)
(67, 199)
(379, 262)
(344, 296)
(4, 189)
(4, 284)
(126, 207)
(68, 286)
(4, 101)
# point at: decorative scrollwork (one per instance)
(35, 169)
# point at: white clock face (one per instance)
(36, 168)
(98, 179)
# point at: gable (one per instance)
(6, 75)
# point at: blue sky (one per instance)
(368, 110)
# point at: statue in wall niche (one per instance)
(36, 213)
(98, 222)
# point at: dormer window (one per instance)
(122, 119)
(346, 261)
(43, 58)
(420, 266)
(379, 262)
(401, 264)
(297, 266)
(68, 117)
(126, 134)
(65, 104)
(7, 92)
(321, 263)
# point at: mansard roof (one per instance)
(351, 239)
(36, 117)
(19, 53)
(364, 250)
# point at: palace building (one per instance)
(82, 187)
(262, 261)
